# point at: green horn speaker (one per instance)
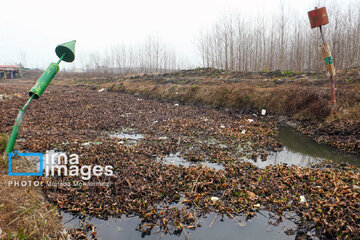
(68, 49)
(65, 52)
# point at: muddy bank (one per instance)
(304, 98)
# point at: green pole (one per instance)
(65, 52)
(15, 131)
(61, 58)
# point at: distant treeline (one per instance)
(151, 55)
(239, 42)
(282, 41)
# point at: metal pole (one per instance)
(333, 96)
(16, 128)
(322, 35)
(332, 80)
(66, 52)
(61, 58)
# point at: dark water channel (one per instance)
(257, 227)
(301, 150)
(298, 150)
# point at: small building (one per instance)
(9, 71)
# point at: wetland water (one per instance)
(298, 150)
(301, 150)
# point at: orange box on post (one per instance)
(318, 17)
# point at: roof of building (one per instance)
(9, 67)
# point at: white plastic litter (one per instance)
(101, 90)
(243, 131)
(263, 112)
(214, 199)
(250, 120)
(302, 199)
(176, 105)
(222, 126)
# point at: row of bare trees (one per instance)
(151, 55)
(283, 41)
(239, 42)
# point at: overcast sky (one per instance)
(33, 28)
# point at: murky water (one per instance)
(222, 228)
(177, 160)
(127, 136)
(301, 150)
(298, 150)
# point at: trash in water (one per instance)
(214, 199)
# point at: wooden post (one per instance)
(330, 70)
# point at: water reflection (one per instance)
(177, 160)
(302, 145)
(223, 228)
(302, 151)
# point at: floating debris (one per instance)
(145, 186)
(214, 199)
(177, 160)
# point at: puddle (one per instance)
(286, 156)
(177, 160)
(127, 136)
(302, 151)
(257, 227)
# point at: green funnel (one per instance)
(68, 49)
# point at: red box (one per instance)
(318, 17)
